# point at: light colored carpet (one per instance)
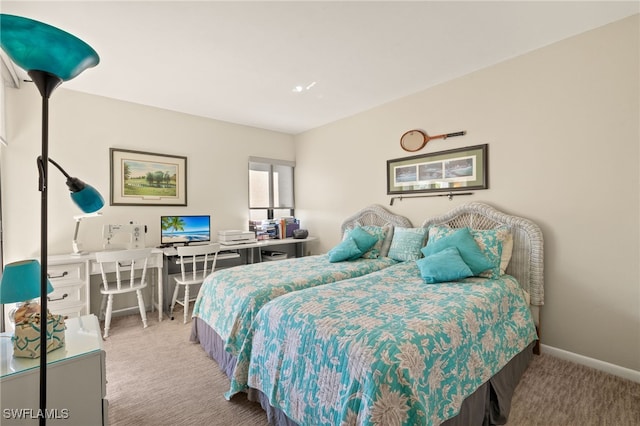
(156, 377)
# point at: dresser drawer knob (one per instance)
(63, 274)
(59, 298)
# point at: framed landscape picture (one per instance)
(147, 179)
(453, 170)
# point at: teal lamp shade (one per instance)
(88, 199)
(85, 196)
(34, 45)
(21, 282)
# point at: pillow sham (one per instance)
(444, 266)
(406, 243)
(497, 245)
(380, 232)
(346, 250)
(507, 251)
(363, 239)
(441, 238)
(386, 244)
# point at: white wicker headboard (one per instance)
(375, 215)
(527, 260)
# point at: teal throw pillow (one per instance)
(363, 239)
(466, 245)
(443, 266)
(346, 250)
(406, 243)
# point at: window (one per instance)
(270, 188)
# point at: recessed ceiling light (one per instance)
(299, 88)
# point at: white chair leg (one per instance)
(173, 300)
(153, 291)
(103, 306)
(143, 312)
(186, 302)
(107, 320)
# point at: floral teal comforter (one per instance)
(384, 349)
(229, 299)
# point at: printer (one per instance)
(232, 237)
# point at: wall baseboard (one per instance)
(616, 370)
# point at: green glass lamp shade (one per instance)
(21, 282)
(36, 46)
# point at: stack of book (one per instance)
(264, 229)
(274, 228)
(287, 226)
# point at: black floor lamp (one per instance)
(50, 56)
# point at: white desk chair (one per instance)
(130, 267)
(203, 260)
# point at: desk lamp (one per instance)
(77, 247)
(50, 56)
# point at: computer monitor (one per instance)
(185, 229)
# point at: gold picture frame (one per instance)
(147, 179)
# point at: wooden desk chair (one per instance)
(130, 268)
(203, 260)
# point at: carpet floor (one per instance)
(155, 376)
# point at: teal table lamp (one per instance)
(21, 282)
(50, 56)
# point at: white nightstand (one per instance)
(76, 380)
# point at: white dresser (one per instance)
(76, 380)
(71, 286)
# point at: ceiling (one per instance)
(241, 61)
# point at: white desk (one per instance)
(172, 251)
(71, 274)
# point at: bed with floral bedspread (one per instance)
(440, 340)
(383, 349)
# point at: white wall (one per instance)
(563, 132)
(83, 128)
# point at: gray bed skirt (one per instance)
(490, 404)
(213, 345)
